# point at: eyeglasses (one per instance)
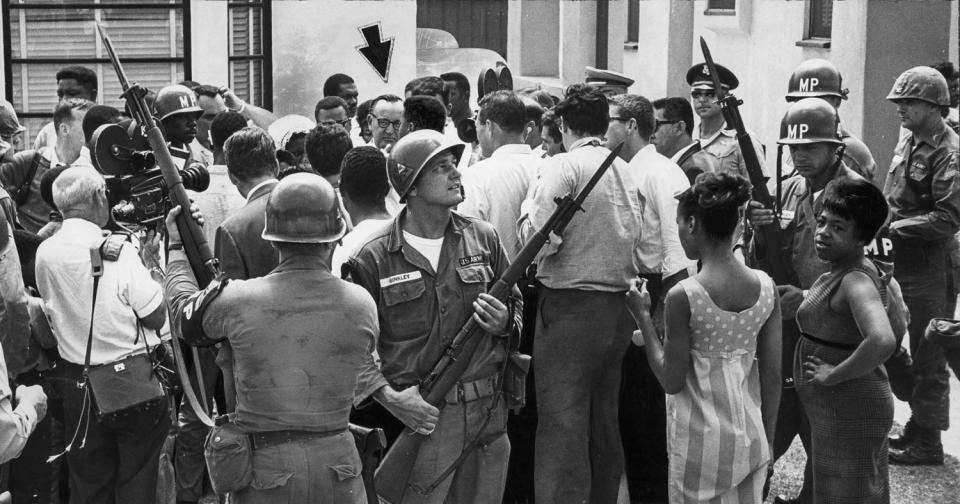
(386, 123)
(621, 119)
(661, 123)
(345, 123)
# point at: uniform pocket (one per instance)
(404, 310)
(345, 479)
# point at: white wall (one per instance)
(209, 39)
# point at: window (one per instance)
(633, 21)
(820, 19)
(721, 6)
(43, 36)
(250, 67)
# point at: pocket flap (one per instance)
(346, 471)
(480, 273)
(265, 479)
(402, 292)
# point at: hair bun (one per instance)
(720, 190)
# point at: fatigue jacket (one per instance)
(421, 310)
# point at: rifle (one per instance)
(768, 238)
(393, 475)
(204, 264)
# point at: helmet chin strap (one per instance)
(836, 164)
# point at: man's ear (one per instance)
(528, 129)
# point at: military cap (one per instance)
(945, 332)
(699, 77)
(600, 77)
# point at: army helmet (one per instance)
(810, 120)
(413, 152)
(921, 83)
(303, 208)
(175, 99)
(815, 78)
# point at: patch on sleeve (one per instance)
(191, 322)
(401, 278)
(474, 259)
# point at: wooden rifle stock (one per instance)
(393, 475)
(202, 261)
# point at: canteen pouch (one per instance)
(229, 457)
(515, 380)
(124, 384)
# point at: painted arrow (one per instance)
(377, 52)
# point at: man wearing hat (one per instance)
(609, 83)
(178, 112)
(300, 337)
(10, 130)
(429, 272)
(717, 138)
(923, 189)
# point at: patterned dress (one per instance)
(718, 449)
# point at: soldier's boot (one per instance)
(925, 449)
(903, 440)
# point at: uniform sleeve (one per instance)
(14, 173)
(140, 291)
(226, 250)
(944, 220)
(187, 303)
(370, 378)
(15, 315)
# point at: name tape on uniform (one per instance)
(401, 278)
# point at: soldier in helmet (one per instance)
(819, 78)
(177, 110)
(810, 130)
(923, 189)
(429, 271)
(300, 337)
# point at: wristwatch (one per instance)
(174, 246)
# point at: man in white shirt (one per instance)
(663, 262)
(363, 185)
(673, 137)
(495, 188)
(117, 456)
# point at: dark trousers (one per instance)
(579, 346)
(191, 433)
(791, 417)
(925, 276)
(522, 424)
(30, 475)
(114, 460)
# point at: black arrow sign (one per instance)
(377, 52)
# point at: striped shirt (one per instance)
(717, 443)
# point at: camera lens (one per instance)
(195, 177)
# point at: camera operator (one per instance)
(114, 458)
(177, 110)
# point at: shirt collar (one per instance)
(585, 141)
(456, 226)
(76, 226)
(511, 150)
(679, 154)
(253, 192)
(934, 138)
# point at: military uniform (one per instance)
(923, 189)
(421, 310)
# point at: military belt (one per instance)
(465, 392)
(261, 440)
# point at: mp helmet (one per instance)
(412, 152)
(921, 83)
(810, 120)
(815, 78)
(303, 208)
(176, 99)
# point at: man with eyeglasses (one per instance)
(717, 138)
(386, 116)
(673, 136)
(332, 110)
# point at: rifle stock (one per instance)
(393, 475)
(195, 245)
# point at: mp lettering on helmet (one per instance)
(809, 84)
(797, 131)
(184, 101)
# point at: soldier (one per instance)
(715, 136)
(810, 130)
(923, 190)
(609, 83)
(429, 272)
(300, 336)
(818, 78)
(177, 111)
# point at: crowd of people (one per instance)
(683, 331)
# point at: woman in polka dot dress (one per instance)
(720, 359)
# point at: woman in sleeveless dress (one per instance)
(720, 358)
(846, 337)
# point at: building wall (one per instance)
(210, 42)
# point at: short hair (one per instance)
(97, 116)
(549, 126)
(676, 108)
(206, 90)
(325, 146)
(532, 110)
(947, 69)
(363, 110)
(63, 111)
(585, 110)
(545, 99)
(459, 80)
(363, 177)
(428, 86)
(329, 103)
(716, 200)
(859, 201)
(223, 125)
(426, 112)
(505, 109)
(639, 109)
(250, 153)
(389, 98)
(331, 87)
(83, 75)
(77, 187)
(190, 84)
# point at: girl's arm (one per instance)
(669, 360)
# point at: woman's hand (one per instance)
(817, 372)
(638, 299)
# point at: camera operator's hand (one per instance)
(171, 221)
(150, 249)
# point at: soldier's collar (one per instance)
(456, 226)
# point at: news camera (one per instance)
(135, 188)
